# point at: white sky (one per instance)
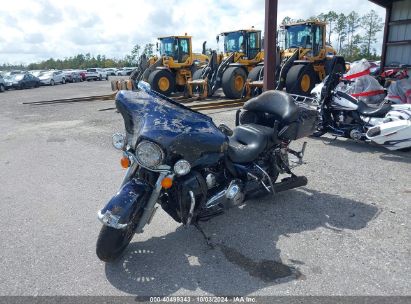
(34, 30)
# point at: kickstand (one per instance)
(331, 141)
(207, 239)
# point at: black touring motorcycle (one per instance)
(178, 158)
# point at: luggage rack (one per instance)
(305, 101)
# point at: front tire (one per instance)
(233, 82)
(2, 88)
(52, 82)
(111, 243)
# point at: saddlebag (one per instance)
(304, 126)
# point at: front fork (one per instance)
(149, 207)
(109, 218)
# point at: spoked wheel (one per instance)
(112, 242)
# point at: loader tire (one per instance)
(162, 81)
(197, 74)
(300, 80)
(233, 82)
(254, 74)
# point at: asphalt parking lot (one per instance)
(346, 233)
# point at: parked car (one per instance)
(96, 74)
(111, 71)
(2, 84)
(36, 73)
(72, 76)
(22, 81)
(82, 74)
(52, 77)
(124, 71)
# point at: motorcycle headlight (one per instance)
(119, 141)
(182, 167)
(149, 154)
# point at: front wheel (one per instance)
(111, 242)
(2, 88)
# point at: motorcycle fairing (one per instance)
(171, 125)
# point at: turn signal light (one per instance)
(166, 183)
(125, 162)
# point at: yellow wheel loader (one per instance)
(170, 71)
(305, 60)
(229, 70)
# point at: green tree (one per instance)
(372, 24)
(287, 20)
(353, 23)
(149, 49)
(341, 30)
(135, 54)
(332, 18)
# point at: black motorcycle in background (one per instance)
(179, 159)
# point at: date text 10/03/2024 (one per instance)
(202, 299)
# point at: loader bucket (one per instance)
(252, 88)
(198, 86)
(117, 85)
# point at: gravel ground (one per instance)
(346, 233)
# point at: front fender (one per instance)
(119, 210)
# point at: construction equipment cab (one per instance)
(305, 58)
(229, 70)
(170, 71)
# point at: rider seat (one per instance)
(277, 103)
(248, 141)
(366, 110)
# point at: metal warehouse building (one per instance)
(397, 32)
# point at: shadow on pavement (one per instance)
(367, 147)
(245, 257)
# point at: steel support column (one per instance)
(270, 43)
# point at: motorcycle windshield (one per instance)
(173, 126)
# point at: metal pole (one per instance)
(270, 43)
(388, 10)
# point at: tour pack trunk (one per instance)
(304, 126)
